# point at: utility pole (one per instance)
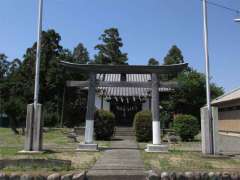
(207, 69)
(33, 138)
(38, 55)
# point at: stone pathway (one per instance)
(121, 162)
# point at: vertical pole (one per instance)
(89, 127)
(33, 140)
(63, 104)
(36, 121)
(155, 110)
(205, 24)
(36, 88)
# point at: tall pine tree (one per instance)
(109, 52)
(153, 62)
(80, 54)
(174, 56)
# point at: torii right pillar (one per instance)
(157, 145)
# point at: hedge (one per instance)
(143, 126)
(186, 126)
(104, 125)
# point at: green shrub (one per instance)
(104, 125)
(186, 126)
(143, 126)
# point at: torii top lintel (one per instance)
(118, 69)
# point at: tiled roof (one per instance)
(126, 91)
(233, 95)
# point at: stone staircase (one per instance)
(124, 132)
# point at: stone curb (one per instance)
(152, 175)
(193, 176)
(54, 176)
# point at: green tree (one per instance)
(174, 56)
(153, 62)
(3, 66)
(190, 95)
(109, 52)
(80, 54)
(10, 92)
(21, 80)
(14, 66)
(18, 86)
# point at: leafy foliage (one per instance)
(109, 51)
(104, 125)
(153, 62)
(143, 126)
(3, 66)
(80, 54)
(18, 83)
(186, 126)
(190, 95)
(174, 56)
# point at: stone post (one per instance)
(88, 144)
(205, 130)
(33, 136)
(37, 128)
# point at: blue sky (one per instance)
(148, 29)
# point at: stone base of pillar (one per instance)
(30, 152)
(33, 134)
(162, 148)
(88, 147)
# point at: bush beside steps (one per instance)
(104, 125)
(143, 126)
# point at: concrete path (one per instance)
(121, 162)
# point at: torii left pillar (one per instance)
(157, 145)
(88, 144)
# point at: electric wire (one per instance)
(237, 11)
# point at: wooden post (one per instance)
(155, 110)
(89, 127)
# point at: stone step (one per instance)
(124, 128)
(124, 131)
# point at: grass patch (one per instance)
(56, 137)
(8, 151)
(30, 168)
(59, 147)
(181, 158)
(164, 164)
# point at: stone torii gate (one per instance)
(92, 83)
